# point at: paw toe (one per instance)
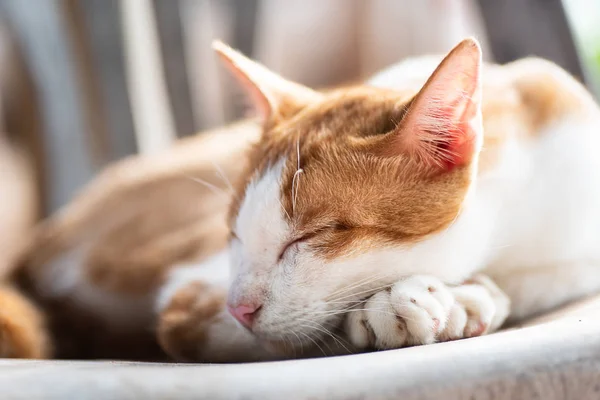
(475, 328)
(423, 302)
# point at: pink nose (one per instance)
(244, 313)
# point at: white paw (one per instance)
(421, 310)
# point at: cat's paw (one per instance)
(194, 326)
(184, 322)
(422, 310)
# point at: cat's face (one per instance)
(346, 192)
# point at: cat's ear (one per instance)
(442, 127)
(271, 94)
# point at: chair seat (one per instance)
(554, 357)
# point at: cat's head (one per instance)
(347, 191)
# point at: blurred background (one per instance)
(87, 82)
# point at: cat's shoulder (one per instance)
(546, 92)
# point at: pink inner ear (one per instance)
(259, 100)
(463, 143)
(443, 134)
(443, 124)
(267, 90)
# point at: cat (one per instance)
(437, 201)
(413, 209)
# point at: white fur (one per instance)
(262, 231)
(212, 271)
(261, 212)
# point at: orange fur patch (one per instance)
(547, 93)
(23, 331)
(348, 196)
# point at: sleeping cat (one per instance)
(411, 211)
(430, 204)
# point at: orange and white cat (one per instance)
(417, 206)
(430, 204)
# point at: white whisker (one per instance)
(360, 309)
(284, 210)
(355, 285)
(222, 175)
(312, 340)
(214, 188)
(326, 331)
(300, 342)
(295, 180)
(376, 289)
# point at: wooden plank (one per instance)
(203, 21)
(152, 115)
(5, 65)
(19, 194)
(86, 79)
(244, 24)
(311, 41)
(168, 22)
(389, 31)
(556, 360)
(244, 15)
(22, 120)
(41, 32)
(105, 41)
(521, 28)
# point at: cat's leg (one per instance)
(193, 322)
(422, 310)
(195, 326)
(23, 332)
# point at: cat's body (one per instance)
(324, 224)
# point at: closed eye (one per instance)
(291, 245)
(338, 227)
